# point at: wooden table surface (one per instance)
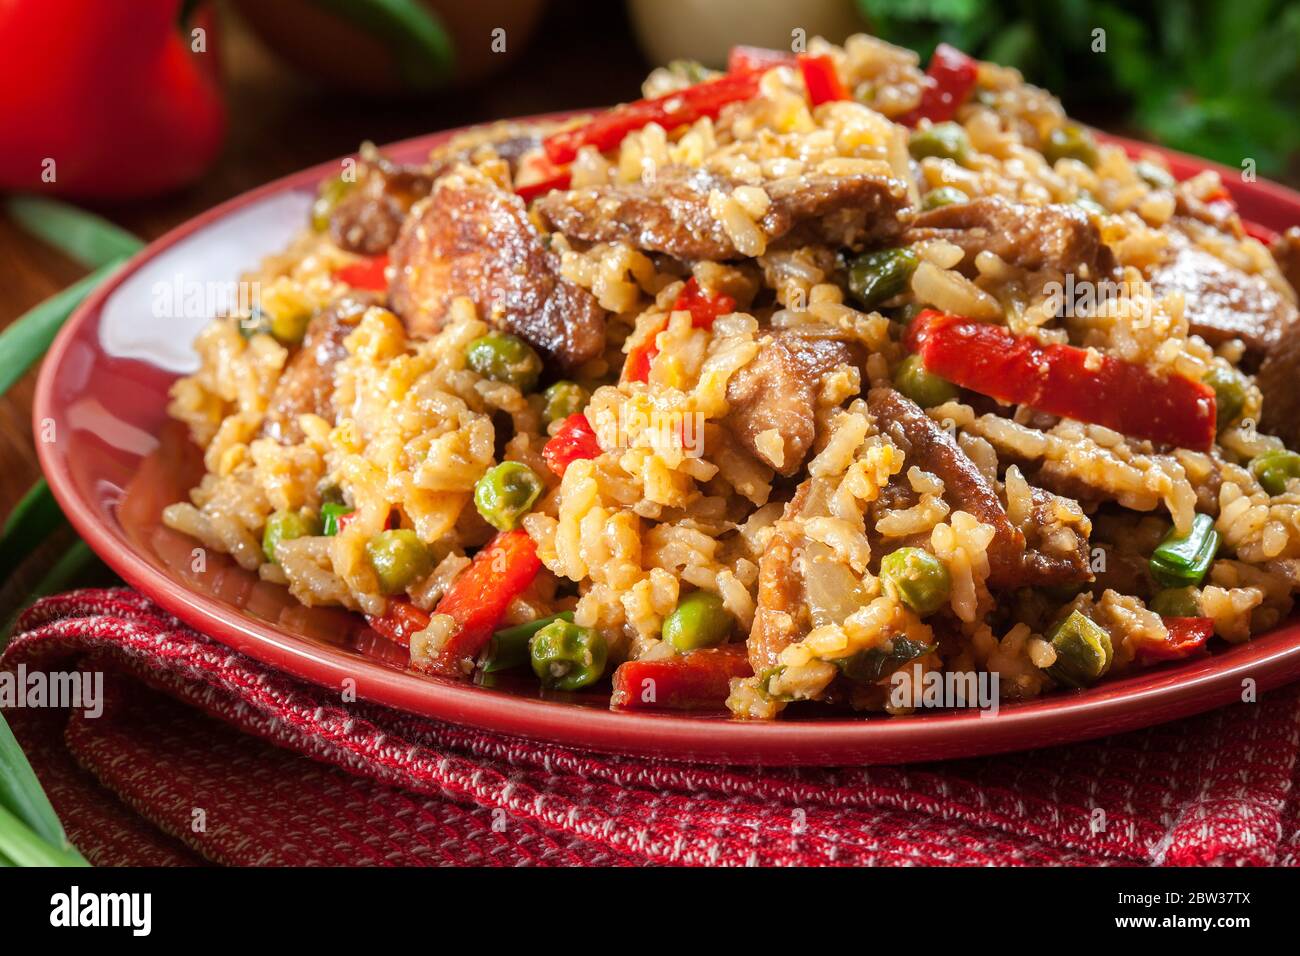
(579, 56)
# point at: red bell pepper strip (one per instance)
(696, 681)
(1064, 380)
(951, 77)
(399, 621)
(1261, 232)
(743, 59)
(675, 109)
(1187, 636)
(366, 274)
(123, 106)
(704, 307)
(821, 79)
(478, 599)
(542, 176)
(574, 440)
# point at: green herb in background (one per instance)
(1212, 78)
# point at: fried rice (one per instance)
(729, 308)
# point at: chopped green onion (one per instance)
(90, 239)
(29, 336)
(1182, 560)
(508, 647)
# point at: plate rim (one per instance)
(1271, 660)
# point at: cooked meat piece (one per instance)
(671, 213)
(1279, 382)
(781, 617)
(1124, 572)
(1222, 302)
(307, 383)
(1031, 237)
(473, 238)
(1286, 250)
(930, 447)
(1219, 215)
(368, 218)
(778, 390)
(1055, 552)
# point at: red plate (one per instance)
(100, 406)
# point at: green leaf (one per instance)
(91, 240)
(424, 51)
(21, 793)
(20, 844)
(32, 521)
(29, 336)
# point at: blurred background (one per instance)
(157, 115)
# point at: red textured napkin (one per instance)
(202, 754)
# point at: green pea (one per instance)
(508, 647)
(505, 493)
(331, 191)
(507, 358)
(285, 526)
(944, 140)
(1229, 393)
(1176, 602)
(1071, 141)
(567, 657)
(699, 620)
(875, 277)
(922, 386)
(917, 578)
(562, 400)
(1273, 468)
(943, 196)
(1083, 651)
(1157, 177)
(289, 324)
(399, 559)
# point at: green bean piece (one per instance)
(879, 662)
(332, 192)
(285, 526)
(1083, 651)
(944, 140)
(330, 513)
(1176, 602)
(503, 357)
(399, 559)
(917, 578)
(562, 400)
(1071, 141)
(508, 647)
(875, 277)
(943, 196)
(699, 620)
(1229, 393)
(1181, 560)
(922, 386)
(505, 493)
(567, 657)
(1273, 468)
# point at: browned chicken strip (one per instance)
(671, 214)
(777, 391)
(472, 238)
(1057, 237)
(307, 383)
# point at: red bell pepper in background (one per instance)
(574, 440)
(704, 308)
(951, 79)
(118, 101)
(368, 273)
(1064, 380)
(821, 79)
(696, 681)
(608, 129)
(744, 59)
(478, 599)
(399, 621)
(1187, 636)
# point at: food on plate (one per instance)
(765, 389)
